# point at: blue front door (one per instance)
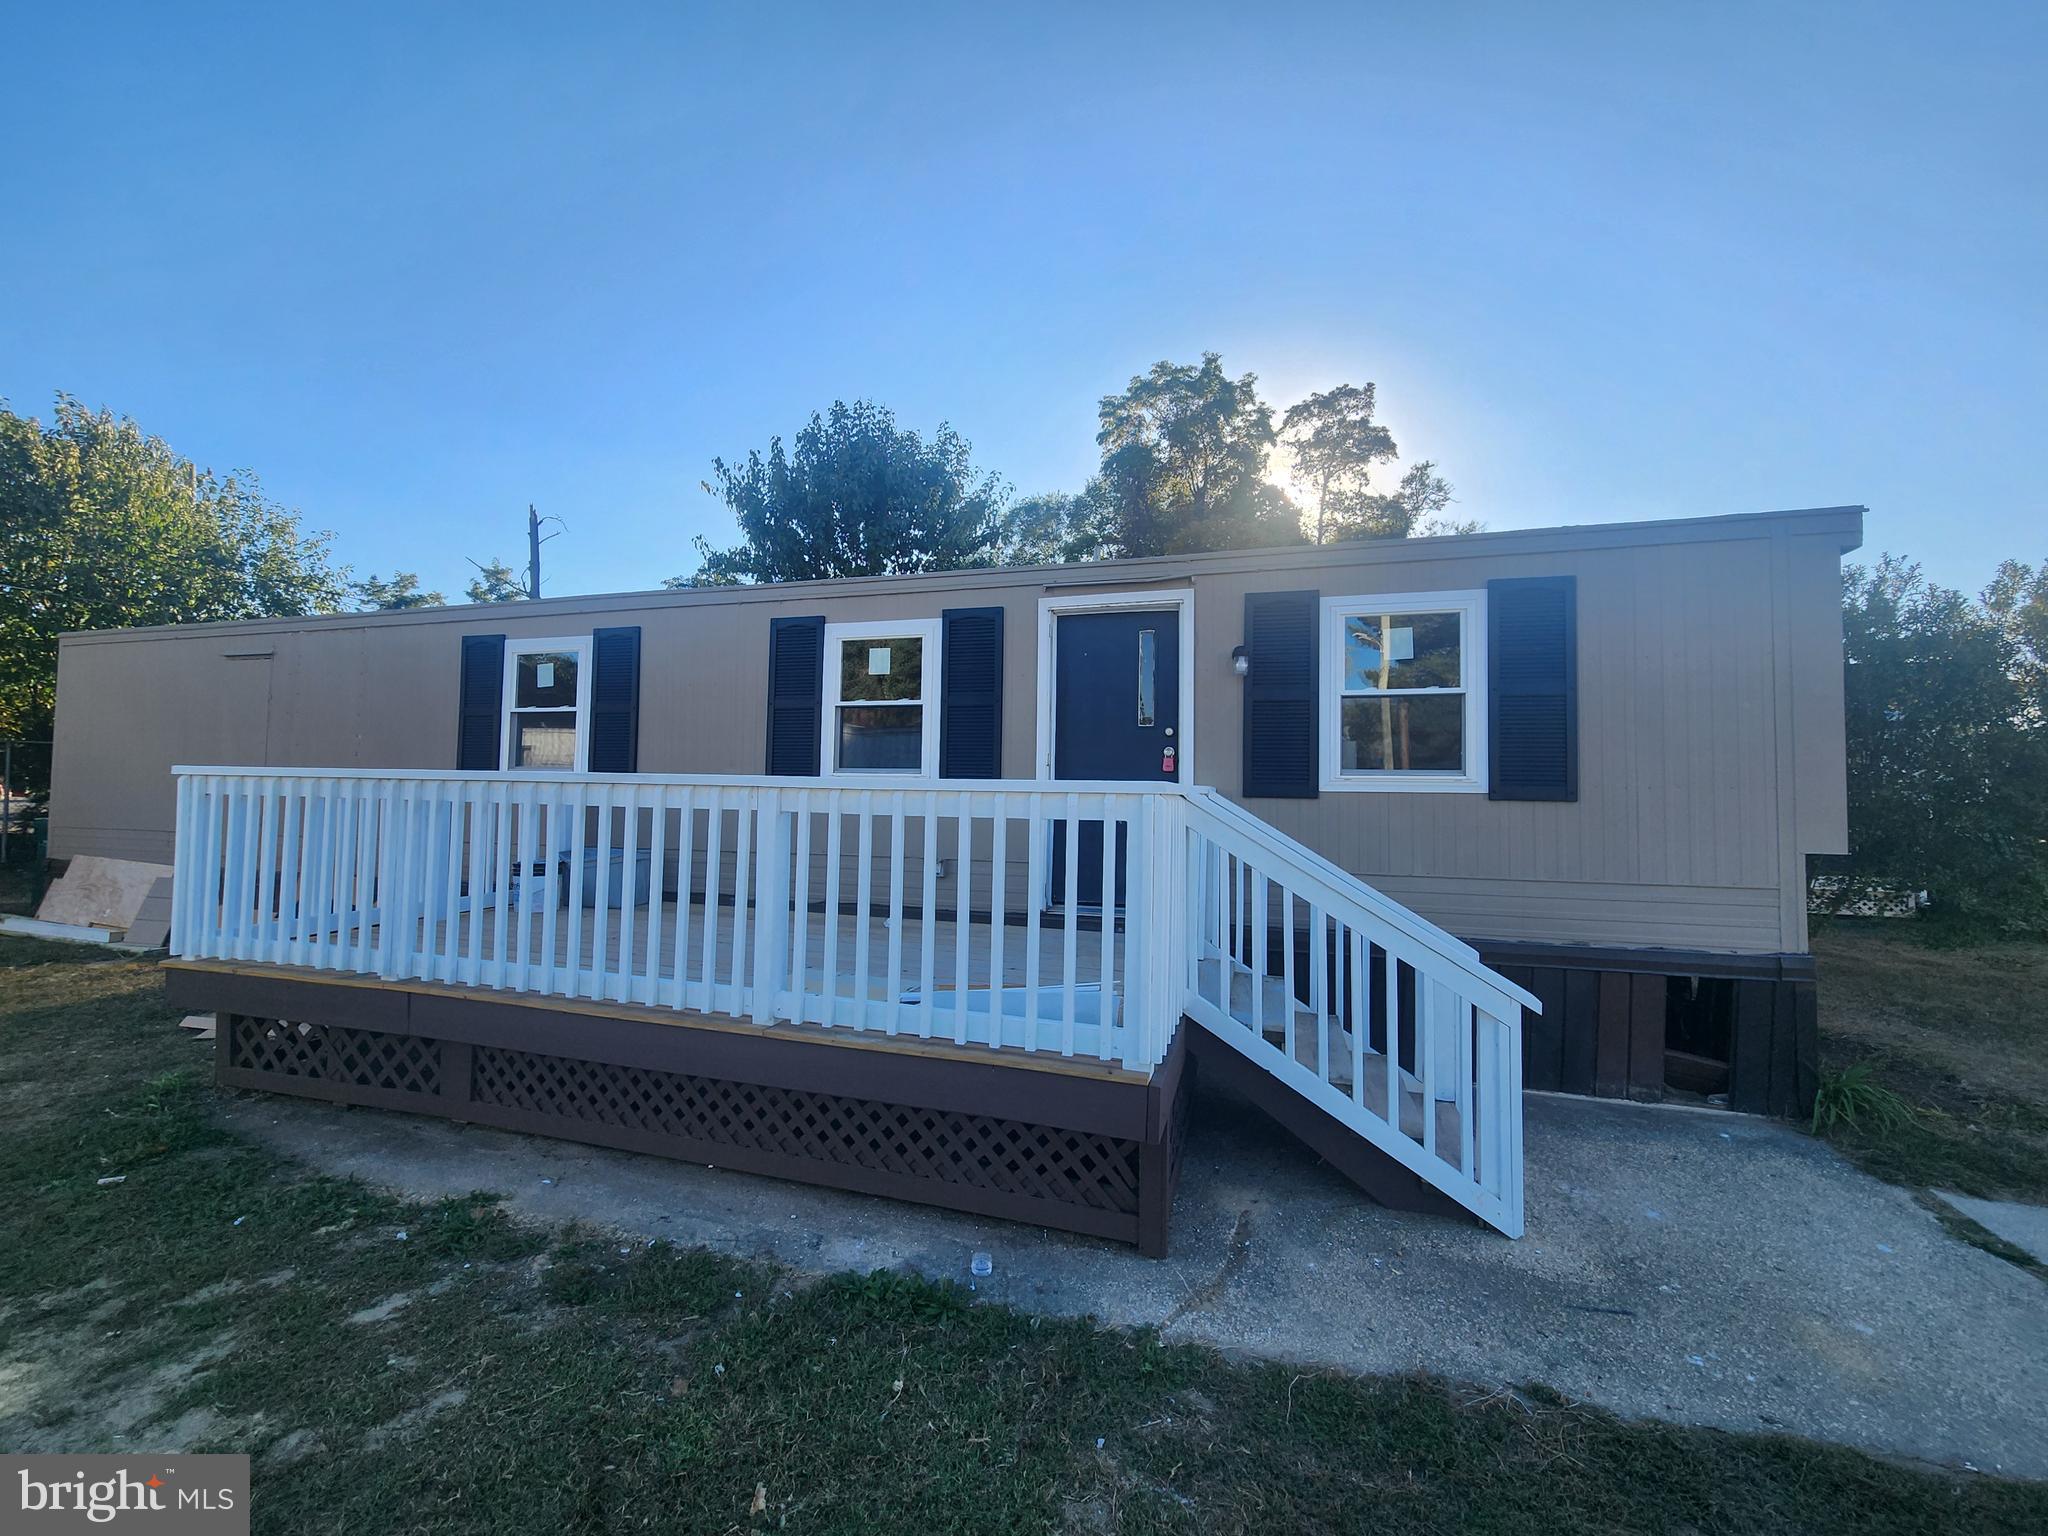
(1116, 716)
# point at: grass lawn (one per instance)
(399, 1366)
(1961, 1034)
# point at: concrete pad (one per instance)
(106, 893)
(1702, 1267)
(2024, 1226)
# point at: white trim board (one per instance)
(1052, 605)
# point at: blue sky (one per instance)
(420, 266)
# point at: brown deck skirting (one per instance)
(1603, 1026)
(1084, 1151)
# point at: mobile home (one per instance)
(932, 886)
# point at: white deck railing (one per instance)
(914, 910)
(1371, 1013)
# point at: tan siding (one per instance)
(1710, 716)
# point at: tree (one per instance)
(1412, 510)
(1335, 443)
(1054, 528)
(1184, 451)
(104, 526)
(1948, 766)
(855, 495)
(401, 591)
(495, 582)
(2017, 600)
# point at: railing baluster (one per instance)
(714, 886)
(1257, 899)
(998, 878)
(834, 886)
(477, 834)
(863, 906)
(649, 988)
(1287, 1009)
(360, 877)
(1069, 946)
(928, 920)
(1466, 1057)
(800, 915)
(291, 875)
(963, 910)
(1361, 1000)
(1393, 1013)
(499, 883)
(1316, 1000)
(629, 890)
(741, 976)
(894, 921)
(1138, 987)
(1105, 927)
(1036, 832)
(771, 905)
(1425, 1054)
(680, 995)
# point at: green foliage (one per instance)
(1335, 444)
(102, 526)
(2017, 601)
(1052, 529)
(496, 582)
(1184, 452)
(1184, 456)
(855, 495)
(1947, 756)
(402, 591)
(1853, 1099)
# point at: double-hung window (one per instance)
(547, 704)
(881, 685)
(1404, 691)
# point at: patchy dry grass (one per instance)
(1961, 1035)
(394, 1365)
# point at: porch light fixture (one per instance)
(1240, 661)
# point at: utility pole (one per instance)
(533, 551)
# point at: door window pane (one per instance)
(1148, 669)
(544, 740)
(1411, 733)
(881, 736)
(545, 680)
(881, 670)
(1402, 650)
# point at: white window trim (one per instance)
(1051, 606)
(1471, 606)
(926, 630)
(516, 647)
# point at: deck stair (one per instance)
(1351, 1003)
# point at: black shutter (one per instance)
(1280, 704)
(1532, 688)
(480, 704)
(796, 694)
(971, 694)
(615, 700)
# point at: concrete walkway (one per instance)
(1695, 1266)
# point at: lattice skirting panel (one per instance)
(1090, 1181)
